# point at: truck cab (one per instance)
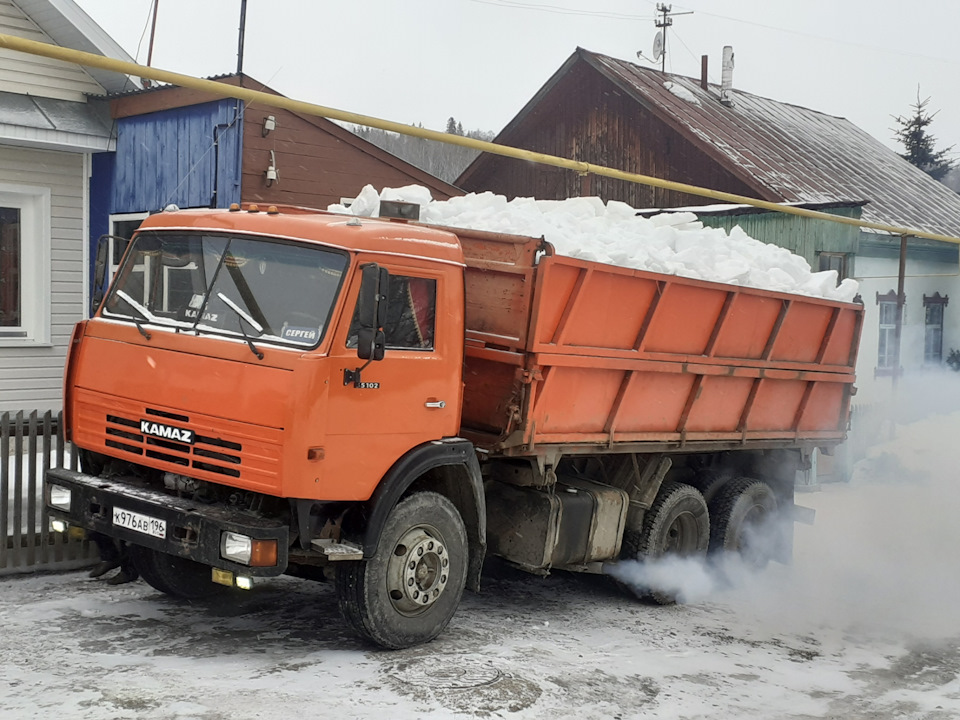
(224, 371)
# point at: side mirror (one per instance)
(370, 344)
(372, 311)
(99, 275)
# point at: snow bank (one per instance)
(586, 228)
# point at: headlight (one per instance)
(60, 497)
(248, 551)
(236, 547)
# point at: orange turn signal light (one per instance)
(263, 553)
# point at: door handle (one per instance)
(435, 404)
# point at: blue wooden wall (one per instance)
(187, 156)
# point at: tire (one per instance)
(408, 592)
(742, 517)
(174, 576)
(677, 524)
(708, 485)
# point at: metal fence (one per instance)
(31, 443)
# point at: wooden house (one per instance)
(183, 147)
(606, 111)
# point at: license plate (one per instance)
(140, 523)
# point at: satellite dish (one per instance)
(658, 46)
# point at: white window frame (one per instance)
(113, 263)
(887, 339)
(35, 265)
(929, 302)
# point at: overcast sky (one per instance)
(481, 60)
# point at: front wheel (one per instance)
(408, 591)
(175, 576)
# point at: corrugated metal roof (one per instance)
(55, 122)
(800, 154)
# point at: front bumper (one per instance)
(193, 529)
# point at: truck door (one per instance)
(409, 397)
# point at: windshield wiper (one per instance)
(144, 313)
(244, 316)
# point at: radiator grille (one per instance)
(213, 455)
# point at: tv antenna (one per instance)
(660, 39)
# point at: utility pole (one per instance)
(243, 28)
(663, 23)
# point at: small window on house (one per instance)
(25, 274)
(834, 261)
(122, 228)
(10, 269)
(887, 345)
(411, 310)
(933, 307)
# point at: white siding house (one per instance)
(50, 124)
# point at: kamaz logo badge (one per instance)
(166, 431)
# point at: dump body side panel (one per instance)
(615, 358)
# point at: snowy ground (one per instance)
(865, 624)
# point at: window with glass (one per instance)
(10, 268)
(260, 289)
(933, 310)
(887, 346)
(122, 228)
(834, 261)
(411, 314)
(25, 265)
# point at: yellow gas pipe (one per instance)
(224, 90)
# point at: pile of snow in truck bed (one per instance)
(671, 243)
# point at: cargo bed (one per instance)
(583, 357)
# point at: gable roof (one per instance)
(157, 98)
(785, 152)
(67, 25)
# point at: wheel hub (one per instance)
(418, 571)
(681, 536)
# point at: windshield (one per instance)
(257, 288)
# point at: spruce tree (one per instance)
(919, 144)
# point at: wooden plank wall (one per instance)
(187, 156)
(318, 163)
(585, 117)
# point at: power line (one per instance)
(559, 10)
(885, 50)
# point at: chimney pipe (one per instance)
(726, 82)
(703, 71)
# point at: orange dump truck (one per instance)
(384, 403)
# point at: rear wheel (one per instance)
(408, 591)
(175, 576)
(676, 525)
(709, 484)
(743, 515)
